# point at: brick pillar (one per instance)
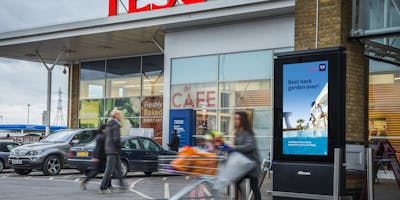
(334, 24)
(73, 94)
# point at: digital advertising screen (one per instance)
(305, 108)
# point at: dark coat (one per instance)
(245, 143)
(99, 152)
(112, 138)
(174, 145)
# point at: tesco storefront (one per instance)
(214, 69)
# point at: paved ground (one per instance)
(36, 186)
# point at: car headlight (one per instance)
(34, 153)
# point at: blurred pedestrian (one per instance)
(112, 147)
(174, 144)
(98, 159)
(245, 143)
(42, 135)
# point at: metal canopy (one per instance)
(129, 34)
(377, 25)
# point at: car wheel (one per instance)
(22, 171)
(1, 165)
(124, 168)
(148, 173)
(52, 165)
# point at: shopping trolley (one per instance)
(210, 169)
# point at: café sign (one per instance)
(133, 6)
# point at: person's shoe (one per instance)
(106, 191)
(83, 185)
(101, 191)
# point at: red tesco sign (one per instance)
(113, 6)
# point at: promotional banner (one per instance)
(89, 113)
(305, 108)
(129, 107)
(152, 112)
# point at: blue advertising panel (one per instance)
(305, 108)
(184, 122)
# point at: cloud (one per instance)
(24, 83)
(15, 15)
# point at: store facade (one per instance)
(229, 68)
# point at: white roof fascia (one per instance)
(174, 15)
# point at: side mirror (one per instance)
(74, 142)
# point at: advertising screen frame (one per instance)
(336, 100)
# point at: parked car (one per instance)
(5, 148)
(138, 154)
(51, 153)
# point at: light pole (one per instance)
(49, 77)
(1, 119)
(27, 123)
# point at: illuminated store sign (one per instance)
(113, 6)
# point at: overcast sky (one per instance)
(22, 82)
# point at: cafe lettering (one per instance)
(132, 6)
(193, 98)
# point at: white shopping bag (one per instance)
(234, 168)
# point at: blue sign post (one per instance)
(184, 122)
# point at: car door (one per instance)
(151, 151)
(133, 152)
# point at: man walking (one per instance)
(112, 149)
(174, 145)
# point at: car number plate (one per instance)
(82, 153)
(16, 162)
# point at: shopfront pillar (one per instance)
(73, 95)
(331, 29)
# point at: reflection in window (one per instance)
(92, 79)
(384, 98)
(194, 70)
(246, 66)
(246, 94)
(123, 77)
(153, 75)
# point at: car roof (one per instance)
(123, 138)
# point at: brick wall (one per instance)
(334, 24)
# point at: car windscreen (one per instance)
(60, 136)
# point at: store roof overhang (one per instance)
(129, 34)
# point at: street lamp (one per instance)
(27, 123)
(1, 119)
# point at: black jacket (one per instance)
(174, 145)
(98, 151)
(112, 138)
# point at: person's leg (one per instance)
(255, 189)
(118, 168)
(110, 166)
(90, 174)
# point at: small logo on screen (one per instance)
(322, 67)
(303, 173)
